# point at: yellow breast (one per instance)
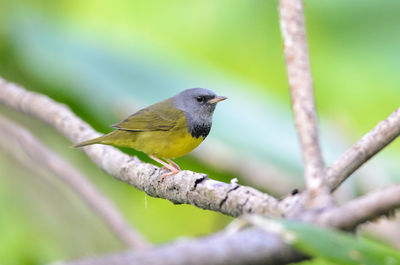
(167, 144)
(173, 143)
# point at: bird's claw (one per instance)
(172, 172)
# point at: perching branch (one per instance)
(301, 88)
(362, 209)
(104, 208)
(184, 187)
(374, 141)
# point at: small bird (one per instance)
(167, 129)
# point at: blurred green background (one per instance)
(107, 59)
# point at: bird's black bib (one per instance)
(197, 130)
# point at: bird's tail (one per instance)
(117, 138)
(97, 140)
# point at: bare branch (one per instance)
(362, 209)
(374, 141)
(104, 208)
(184, 187)
(253, 246)
(301, 87)
(261, 247)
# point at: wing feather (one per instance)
(162, 116)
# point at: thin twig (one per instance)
(184, 187)
(362, 209)
(104, 208)
(373, 142)
(301, 87)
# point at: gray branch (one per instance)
(252, 246)
(104, 208)
(185, 187)
(301, 88)
(374, 141)
(362, 209)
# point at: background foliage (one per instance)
(106, 59)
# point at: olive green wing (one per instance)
(162, 116)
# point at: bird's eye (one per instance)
(200, 99)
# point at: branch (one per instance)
(301, 88)
(261, 247)
(374, 141)
(360, 210)
(185, 187)
(222, 248)
(104, 208)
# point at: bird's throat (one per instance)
(197, 130)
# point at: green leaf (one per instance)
(317, 261)
(338, 247)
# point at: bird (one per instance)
(166, 130)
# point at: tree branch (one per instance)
(301, 88)
(360, 210)
(99, 203)
(185, 187)
(252, 246)
(374, 141)
(261, 247)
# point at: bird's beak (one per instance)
(216, 100)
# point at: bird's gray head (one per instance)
(198, 104)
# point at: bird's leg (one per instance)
(170, 167)
(175, 165)
(165, 165)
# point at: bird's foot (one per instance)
(171, 166)
(175, 165)
(172, 172)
